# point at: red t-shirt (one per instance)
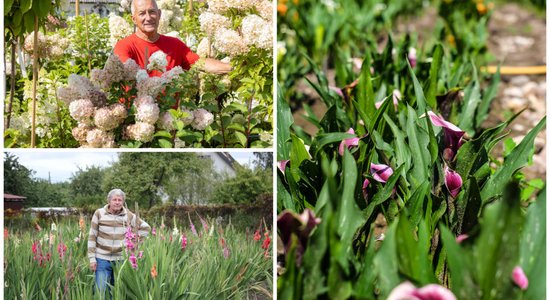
(177, 53)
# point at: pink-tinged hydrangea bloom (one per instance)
(407, 291)
(147, 113)
(131, 68)
(166, 121)
(282, 164)
(412, 57)
(151, 86)
(519, 278)
(381, 172)
(265, 9)
(118, 111)
(452, 134)
(172, 74)
(80, 132)
(230, 42)
(202, 119)
(133, 261)
(97, 138)
(141, 131)
(104, 120)
(143, 100)
(453, 181)
(461, 237)
(81, 109)
(350, 142)
(188, 118)
(212, 22)
(114, 69)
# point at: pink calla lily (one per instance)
(381, 172)
(412, 57)
(282, 165)
(408, 291)
(453, 134)
(519, 278)
(291, 224)
(461, 237)
(337, 90)
(365, 185)
(351, 142)
(453, 181)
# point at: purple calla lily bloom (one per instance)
(453, 134)
(291, 224)
(461, 237)
(282, 165)
(453, 181)
(519, 278)
(365, 185)
(407, 291)
(337, 90)
(412, 57)
(380, 172)
(351, 142)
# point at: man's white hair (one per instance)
(133, 9)
(116, 192)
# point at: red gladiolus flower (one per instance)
(5, 233)
(257, 236)
(266, 243)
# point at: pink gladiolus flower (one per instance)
(129, 244)
(225, 252)
(61, 249)
(183, 242)
(129, 234)
(461, 238)
(351, 142)
(282, 165)
(140, 254)
(453, 181)
(519, 278)
(35, 247)
(381, 172)
(407, 291)
(453, 134)
(154, 231)
(133, 261)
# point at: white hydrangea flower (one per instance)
(205, 49)
(257, 32)
(118, 111)
(191, 42)
(141, 75)
(80, 132)
(265, 9)
(119, 29)
(172, 74)
(144, 100)
(131, 69)
(96, 138)
(157, 61)
(140, 131)
(81, 109)
(166, 121)
(147, 113)
(104, 119)
(188, 118)
(230, 42)
(152, 86)
(212, 22)
(202, 119)
(114, 69)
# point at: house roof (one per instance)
(227, 158)
(11, 197)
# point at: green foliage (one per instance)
(245, 187)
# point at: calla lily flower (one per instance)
(351, 142)
(365, 185)
(461, 237)
(381, 172)
(412, 57)
(291, 224)
(453, 134)
(282, 165)
(453, 181)
(407, 291)
(519, 278)
(337, 90)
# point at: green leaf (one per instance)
(462, 285)
(298, 152)
(165, 143)
(488, 96)
(241, 137)
(472, 98)
(365, 92)
(434, 75)
(25, 5)
(323, 139)
(532, 246)
(284, 121)
(349, 218)
(419, 94)
(42, 8)
(28, 20)
(517, 159)
(383, 194)
(402, 151)
(162, 133)
(386, 263)
(419, 142)
(7, 6)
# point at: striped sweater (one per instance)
(106, 238)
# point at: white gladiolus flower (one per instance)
(202, 119)
(157, 61)
(81, 109)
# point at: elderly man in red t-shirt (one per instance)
(146, 41)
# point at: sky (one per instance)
(61, 165)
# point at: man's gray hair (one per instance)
(116, 192)
(133, 9)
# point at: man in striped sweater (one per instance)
(107, 237)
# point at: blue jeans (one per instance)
(103, 275)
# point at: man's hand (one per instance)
(215, 66)
(93, 266)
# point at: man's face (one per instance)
(146, 16)
(116, 203)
